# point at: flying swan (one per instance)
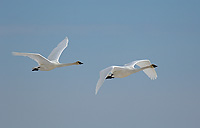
(126, 70)
(53, 59)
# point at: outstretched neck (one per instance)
(140, 69)
(68, 64)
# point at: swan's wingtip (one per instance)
(96, 91)
(66, 39)
(153, 78)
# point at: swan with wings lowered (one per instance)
(126, 70)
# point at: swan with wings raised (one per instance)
(52, 62)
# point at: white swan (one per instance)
(126, 70)
(52, 61)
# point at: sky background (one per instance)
(101, 33)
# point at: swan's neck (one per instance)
(68, 64)
(140, 69)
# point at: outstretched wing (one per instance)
(35, 56)
(55, 54)
(103, 74)
(150, 72)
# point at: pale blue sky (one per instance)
(101, 33)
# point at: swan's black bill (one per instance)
(154, 66)
(80, 62)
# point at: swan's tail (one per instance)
(16, 53)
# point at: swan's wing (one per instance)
(150, 72)
(35, 56)
(55, 54)
(103, 74)
(131, 64)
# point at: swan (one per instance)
(126, 70)
(53, 59)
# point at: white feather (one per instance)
(150, 72)
(55, 54)
(52, 61)
(126, 70)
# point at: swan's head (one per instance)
(154, 66)
(78, 63)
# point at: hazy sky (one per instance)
(101, 33)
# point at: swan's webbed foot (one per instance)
(35, 69)
(110, 77)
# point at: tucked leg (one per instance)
(35, 69)
(110, 77)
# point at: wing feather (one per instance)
(150, 72)
(35, 56)
(103, 74)
(55, 54)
